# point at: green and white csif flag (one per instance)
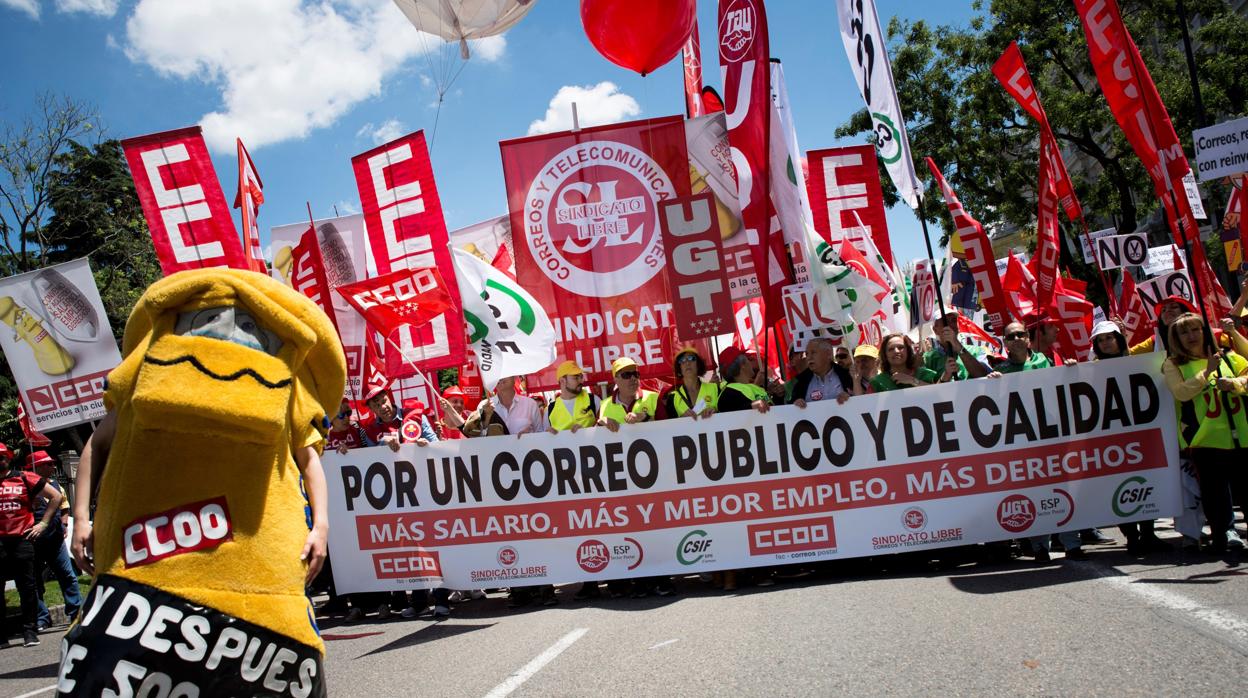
(864, 45)
(509, 331)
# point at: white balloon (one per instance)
(463, 20)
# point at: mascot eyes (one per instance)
(231, 324)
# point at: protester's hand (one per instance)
(342, 448)
(611, 425)
(843, 397)
(1211, 366)
(800, 403)
(689, 413)
(1226, 385)
(904, 379)
(575, 428)
(949, 335)
(707, 412)
(80, 546)
(761, 406)
(422, 441)
(951, 369)
(551, 430)
(314, 550)
(995, 374)
(634, 418)
(1228, 325)
(391, 440)
(1070, 362)
(37, 530)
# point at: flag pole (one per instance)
(931, 262)
(1087, 237)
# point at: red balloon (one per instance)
(640, 35)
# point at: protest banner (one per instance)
(585, 219)
(182, 201)
(342, 242)
(1176, 283)
(58, 343)
(695, 270)
(962, 463)
(691, 60)
(406, 230)
(1221, 149)
(1193, 197)
(1085, 243)
(1114, 251)
(248, 200)
(845, 195)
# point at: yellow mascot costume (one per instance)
(200, 524)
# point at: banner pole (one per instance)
(931, 261)
(1087, 237)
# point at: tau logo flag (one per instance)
(507, 328)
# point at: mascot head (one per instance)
(227, 351)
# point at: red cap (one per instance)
(4, 451)
(453, 391)
(730, 354)
(413, 407)
(374, 392)
(37, 458)
(1174, 299)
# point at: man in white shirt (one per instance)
(520, 413)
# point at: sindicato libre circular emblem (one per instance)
(591, 218)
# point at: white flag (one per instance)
(509, 331)
(864, 45)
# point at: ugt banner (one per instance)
(1032, 453)
(58, 343)
(186, 212)
(585, 219)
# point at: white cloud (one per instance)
(28, 7)
(100, 8)
(284, 68)
(346, 208)
(489, 49)
(595, 105)
(387, 131)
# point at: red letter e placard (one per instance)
(186, 212)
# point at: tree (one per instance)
(28, 158)
(961, 117)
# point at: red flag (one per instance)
(1138, 321)
(404, 297)
(856, 261)
(845, 194)
(503, 261)
(406, 230)
(1048, 247)
(1073, 315)
(182, 201)
(1012, 72)
(249, 197)
(34, 437)
(692, 56)
(711, 102)
(1140, 113)
(968, 326)
(744, 60)
(307, 273)
(979, 255)
(1020, 286)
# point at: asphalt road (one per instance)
(1174, 623)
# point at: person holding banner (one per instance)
(1019, 357)
(18, 532)
(1208, 386)
(797, 364)
(823, 379)
(452, 403)
(901, 366)
(691, 396)
(575, 407)
(1166, 311)
(386, 429)
(628, 403)
(1108, 342)
(970, 360)
(739, 369)
(343, 434)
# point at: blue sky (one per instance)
(309, 85)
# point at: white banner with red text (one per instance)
(1063, 449)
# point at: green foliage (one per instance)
(988, 147)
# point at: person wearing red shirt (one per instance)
(452, 404)
(18, 531)
(344, 434)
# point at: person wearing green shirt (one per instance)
(970, 360)
(901, 367)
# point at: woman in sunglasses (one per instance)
(691, 396)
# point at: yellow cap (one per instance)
(685, 350)
(867, 350)
(622, 363)
(568, 368)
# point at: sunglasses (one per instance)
(687, 358)
(627, 375)
(1016, 335)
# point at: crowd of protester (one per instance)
(1198, 376)
(1206, 369)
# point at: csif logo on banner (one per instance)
(694, 547)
